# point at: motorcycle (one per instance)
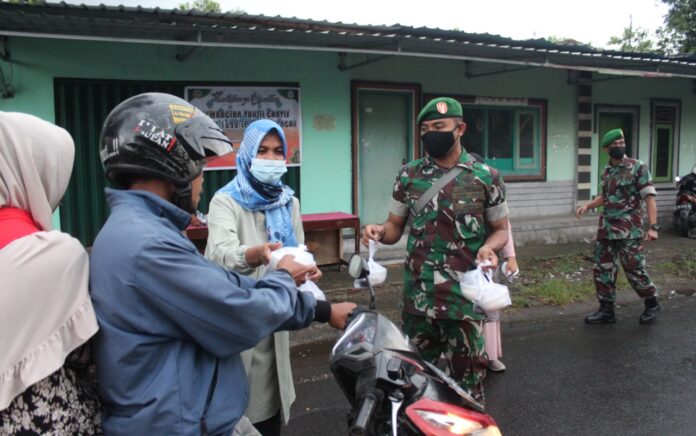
(685, 213)
(391, 389)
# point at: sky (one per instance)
(590, 21)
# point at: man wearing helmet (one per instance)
(173, 323)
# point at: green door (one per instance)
(611, 121)
(384, 138)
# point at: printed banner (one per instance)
(233, 108)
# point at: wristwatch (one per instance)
(655, 227)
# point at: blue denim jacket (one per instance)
(167, 315)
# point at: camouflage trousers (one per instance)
(630, 253)
(461, 341)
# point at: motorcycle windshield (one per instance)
(372, 332)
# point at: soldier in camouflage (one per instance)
(626, 183)
(465, 222)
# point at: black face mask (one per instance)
(617, 152)
(437, 144)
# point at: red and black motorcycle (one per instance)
(685, 213)
(391, 389)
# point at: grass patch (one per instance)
(557, 281)
(541, 267)
(557, 292)
(682, 265)
(567, 279)
(519, 300)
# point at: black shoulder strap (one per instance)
(435, 188)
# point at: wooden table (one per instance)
(323, 235)
(199, 236)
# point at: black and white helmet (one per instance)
(159, 136)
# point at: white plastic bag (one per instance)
(509, 276)
(310, 286)
(300, 255)
(378, 273)
(478, 286)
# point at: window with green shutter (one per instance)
(508, 137)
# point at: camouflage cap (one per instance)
(612, 136)
(441, 107)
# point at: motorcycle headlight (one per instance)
(441, 419)
(456, 425)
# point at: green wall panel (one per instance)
(38, 69)
(81, 107)
(325, 94)
(639, 93)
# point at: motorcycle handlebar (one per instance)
(370, 400)
(354, 314)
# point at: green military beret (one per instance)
(612, 136)
(442, 107)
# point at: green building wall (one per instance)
(640, 92)
(443, 77)
(325, 91)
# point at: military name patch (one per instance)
(461, 209)
(470, 191)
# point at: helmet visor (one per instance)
(202, 138)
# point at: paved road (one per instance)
(564, 378)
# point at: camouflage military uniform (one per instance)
(442, 244)
(621, 229)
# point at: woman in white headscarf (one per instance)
(46, 316)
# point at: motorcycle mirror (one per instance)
(357, 268)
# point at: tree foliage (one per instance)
(679, 32)
(634, 39)
(207, 6)
(563, 40)
(201, 5)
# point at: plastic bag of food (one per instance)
(310, 286)
(378, 273)
(478, 286)
(300, 255)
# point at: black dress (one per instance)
(64, 403)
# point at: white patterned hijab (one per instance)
(45, 309)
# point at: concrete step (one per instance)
(554, 229)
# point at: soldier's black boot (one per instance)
(649, 314)
(605, 314)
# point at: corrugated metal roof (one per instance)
(176, 27)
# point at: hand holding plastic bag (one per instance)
(510, 276)
(378, 273)
(300, 255)
(478, 286)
